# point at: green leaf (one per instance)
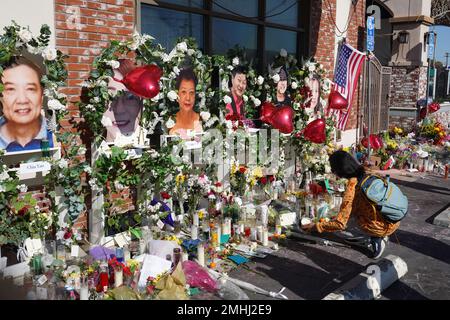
(136, 232)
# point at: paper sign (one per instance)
(287, 219)
(152, 267)
(74, 250)
(160, 224)
(189, 145)
(42, 279)
(16, 270)
(33, 246)
(122, 239)
(32, 167)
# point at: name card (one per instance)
(190, 145)
(74, 251)
(32, 167)
(122, 239)
(287, 219)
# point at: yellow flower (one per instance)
(257, 172)
(233, 168)
(179, 179)
(346, 149)
(441, 133)
(201, 213)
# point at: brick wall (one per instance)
(322, 39)
(83, 28)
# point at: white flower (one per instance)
(113, 64)
(87, 169)
(312, 68)
(205, 115)
(25, 35)
(190, 52)
(172, 95)
(22, 188)
(227, 99)
(176, 70)
(4, 176)
(224, 85)
(199, 54)
(2, 188)
(306, 81)
(49, 54)
(245, 98)
(182, 46)
(276, 78)
(283, 53)
(238, 201)
(170, 123)
(54, 104)
(106, 122)
(260, 80)
(230, 68)
(63, 163)
(294, 85)
(235, 61)
(93, 183)
(257, 102)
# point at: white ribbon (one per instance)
(22, 254)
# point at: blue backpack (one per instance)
(385, 196)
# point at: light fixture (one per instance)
(403, 37)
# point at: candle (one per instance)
(84, 293)
(264, 215)
(118, 278)
(259, 230)
(201, 254)
(265, 237)
(278, 229)
(194, 232)
(195, 220)
(253, 234)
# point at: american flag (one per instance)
(346, 79)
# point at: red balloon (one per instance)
(337, 101)
(315, 131)
(433, 107)
(281, 119)
(375, 142)
(143, 81)
(267, 109)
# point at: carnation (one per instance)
(25, 35)
(294, 85)
(170, 123)
(227, 99)
(260, 80)
(172, 95)
(205, 115)
(182, 46)
(49, 54)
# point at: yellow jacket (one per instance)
(368, 218)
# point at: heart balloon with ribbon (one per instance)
(337, 101)
(143, 81)
(282, 119)
(267, 109)
(315, 131)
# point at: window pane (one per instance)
(282, 11)
(247, 8)
(277, 39)
(186, 3)
(167, 25)
(226, 34)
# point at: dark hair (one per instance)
(186, 74)
(345, 166)
(237, 70)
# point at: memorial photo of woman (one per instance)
(124, 111)
(282, 98)
(186, 119)
(314, 84)
(22, 124)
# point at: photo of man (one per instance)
(122, 117)
(22, 124)
(237, 87)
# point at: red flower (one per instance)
(68, 235)
(242, 169)
(271, 178)
(263, 180)
(23, 211)
(165, 195)
(150, 289)
(218, 184)
(126, 271)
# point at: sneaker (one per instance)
(378, 245)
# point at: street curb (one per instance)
(443, 219)
(368, 285)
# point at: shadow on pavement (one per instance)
(401, 291)
(423, 186)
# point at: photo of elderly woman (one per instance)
(22, 123)
(122, 117)
(186, 119)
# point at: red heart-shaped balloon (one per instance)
(143, 81)
(315, 131)
(267, 109)
(337, 101)
(433, 107)
(375, 142)
(281, 119)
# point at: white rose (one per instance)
(106, 122)
(182, 46)
(49, 54)
(283, 53)
(294, 85)
(312, 68)
(227, 99)
(257, 102)
(235, 61)
(4, 176)
(224, 85)
(22, 188)
(190, 52)
(63, 163)
(238, 201)
(54, 104)
(205, 115)
(25, 35)
(245, 98)
(170, 123)
(176, 70)
(172, 95)
(260, 80)
(276, 78)
(307, 81)
(113, 64)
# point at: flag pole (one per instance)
(369, 113)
